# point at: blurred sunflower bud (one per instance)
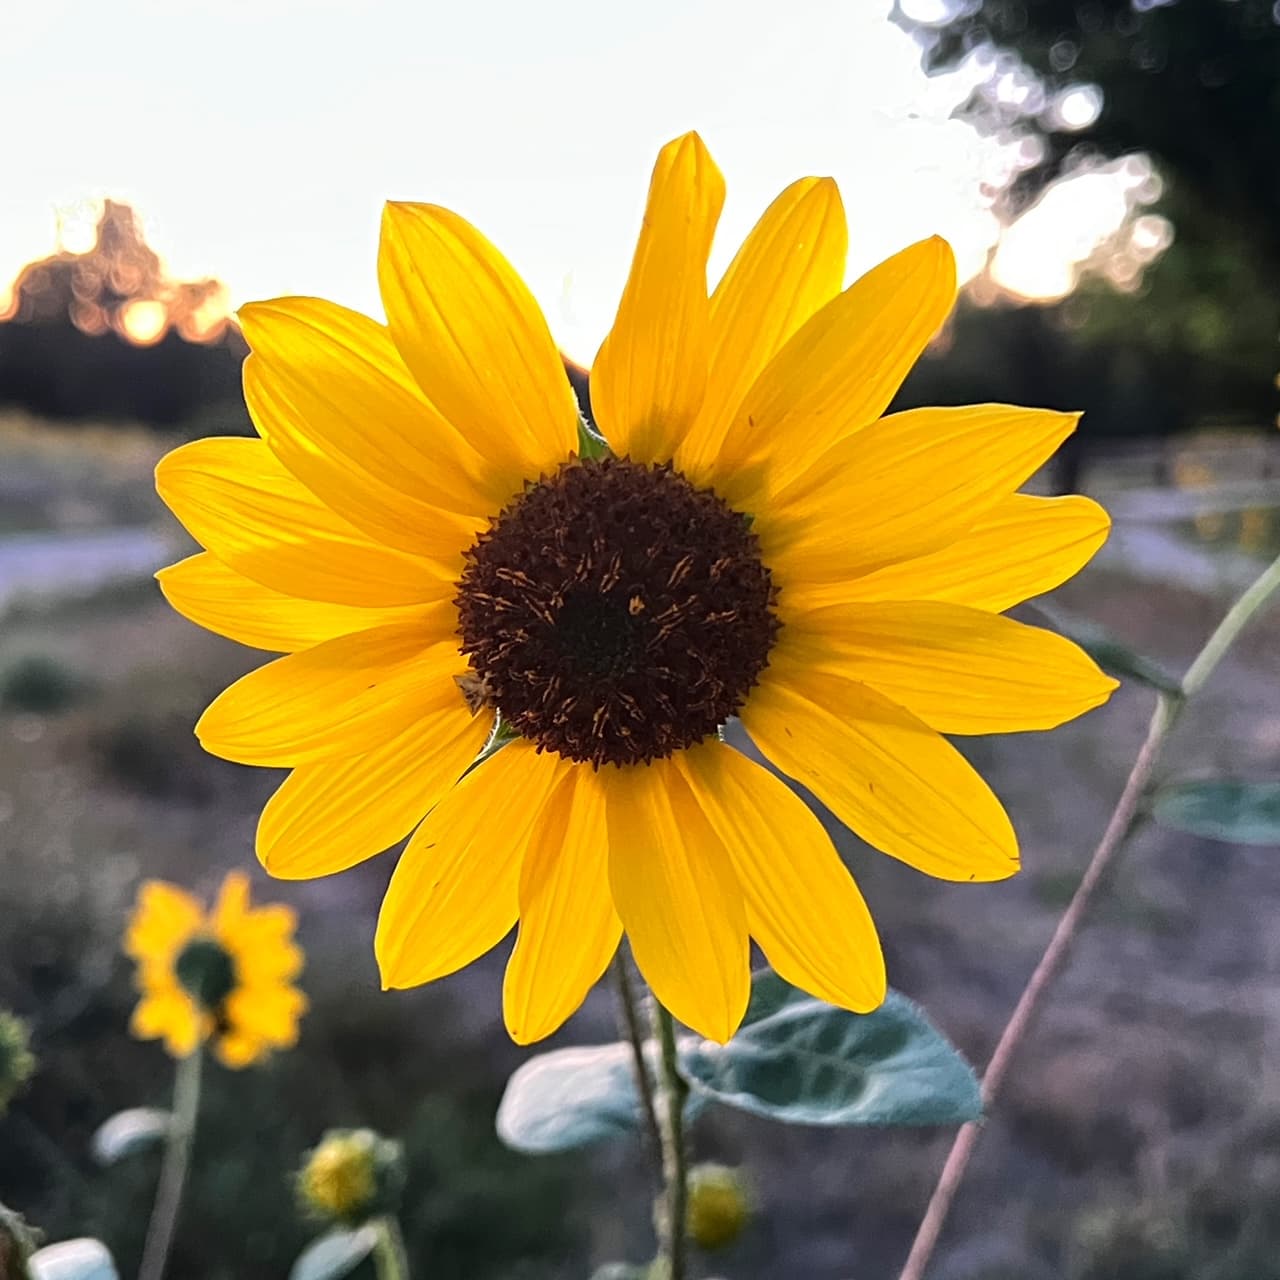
(352, 1175)
(719, 1205)
(17, 1063)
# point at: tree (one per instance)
(1194, 84)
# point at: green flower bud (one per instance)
(719, 1205)
(17, 1063)
(352, 1175)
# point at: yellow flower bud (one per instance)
(352, 1175)
(719, 1205)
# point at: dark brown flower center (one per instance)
(614, 613)
(207, 971)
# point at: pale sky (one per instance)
(259, 138)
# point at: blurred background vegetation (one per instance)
(1142, 1135)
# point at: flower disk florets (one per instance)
(615, 614)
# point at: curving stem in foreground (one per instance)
(1122, 821)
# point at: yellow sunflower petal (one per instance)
(896, 782)
(165, 919)
(1023, 547)
(790, 265)
(903, 487)
(237, 1050)
(675, 888)
(455, 890)
(345, 697)
(339, 406)
(476, 341)
(960, 670)
(568, 927)
(232, 905)
(267, 1013)
(207, 592)
(803, 907)
(649, 377)
(172, 1018)
(838, 373)
(328, 816)
(238, 501)
(263, 947)
(384, 513)
(267, 959)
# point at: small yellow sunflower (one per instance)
(224, 977)
(420, 531)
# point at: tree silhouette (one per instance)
(1195, 84)
(108, 334)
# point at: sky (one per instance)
(258, 139)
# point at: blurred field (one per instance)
(75, 476)
(1140, 1134)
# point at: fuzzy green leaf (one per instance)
(126, 1132)
(83, 1259)
(1226, 809)
(798, 1060)
(336, 1254)
(570, 1098)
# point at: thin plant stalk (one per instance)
(1123, 819)
(390, 1258)
(673, 1245)
(173, 1170)
(629, 1007)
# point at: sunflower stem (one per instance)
(675, 1158)
(173, 1170)
(629, 1009)
(390, 1258)
(1124, 818)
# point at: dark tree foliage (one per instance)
(1195, 84)
(66, 350)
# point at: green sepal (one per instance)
(591, 444)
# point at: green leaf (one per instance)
(798, 1060)
(337, 1253)
(570, 1098)
(1109, 653)
(1226, 809)
(620, 1271)
(83, 1259)
(137, 1129)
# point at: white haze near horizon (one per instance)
(259, 138)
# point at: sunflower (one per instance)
(427, 533)
(223, 977)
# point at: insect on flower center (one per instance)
(614, 613)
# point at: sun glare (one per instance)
(144, 321)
